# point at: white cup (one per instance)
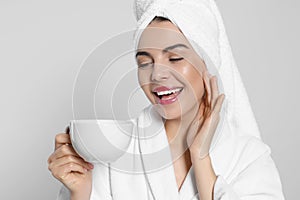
(101, 140)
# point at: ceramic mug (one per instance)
(101, 140)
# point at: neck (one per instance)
(177, 130)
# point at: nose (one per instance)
(160, 73)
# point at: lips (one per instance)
(165, 95)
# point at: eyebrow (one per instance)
(142, 53)
(173, 47)
(165, 50)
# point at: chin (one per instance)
(169, 112)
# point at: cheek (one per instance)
(144, 76)
(195, 80)
(144, 81)
(147, 90)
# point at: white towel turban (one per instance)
(201, 23)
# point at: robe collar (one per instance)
(157, 160)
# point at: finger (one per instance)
(219, 104)
(70, 159)
(214, 90)
(201, 110)
(73, 167)
(63, 150)
(62, 172)
(207, 87)
(61, 139)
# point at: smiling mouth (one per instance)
(168, 93)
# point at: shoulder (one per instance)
(247, 167)
(234, 154)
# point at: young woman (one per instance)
(183, 59)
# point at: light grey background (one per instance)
(43, 44)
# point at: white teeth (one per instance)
(168, 91)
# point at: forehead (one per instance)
(159, 35)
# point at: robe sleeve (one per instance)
(259, 180)
(63, 194)
(101, 185)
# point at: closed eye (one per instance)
(175, 59)
(144, 64)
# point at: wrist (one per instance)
(81, 194)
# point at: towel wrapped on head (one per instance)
(201, 23)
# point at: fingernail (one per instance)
(91, 166)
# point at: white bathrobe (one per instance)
(241, 161)
(243, 165)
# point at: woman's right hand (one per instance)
(70, 169)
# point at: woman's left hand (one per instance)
(203, 127)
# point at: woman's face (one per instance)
(169, 70)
